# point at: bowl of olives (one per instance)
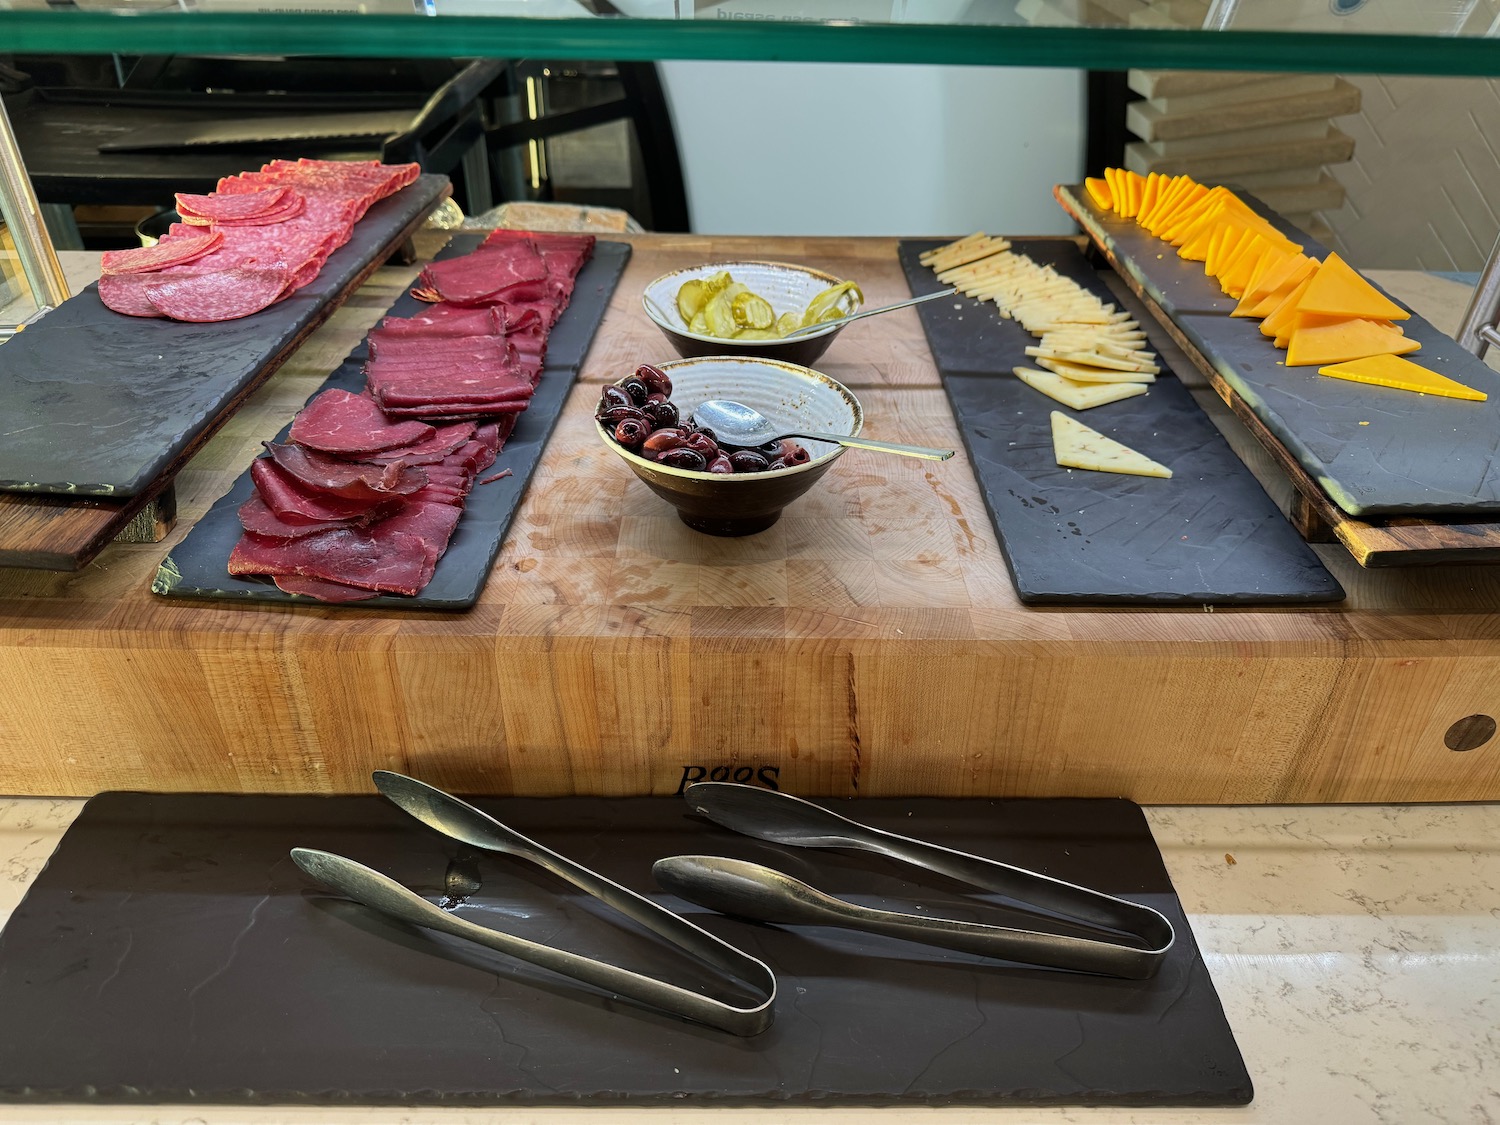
(746, 308)
(646, 419)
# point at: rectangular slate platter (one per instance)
(99, 404)
(170, 952)
(198, 567)
(1208, 536)
(1420, 455)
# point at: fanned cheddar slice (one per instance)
(1274, 284)
(1282, 314)
(1077, 447)
(1079, 396)
(1181, 202)
(1344, 340)
(1134, 185)
(1099, 191)
(1402, 375)
(1149, 191)
(1341, 291)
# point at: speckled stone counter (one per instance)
(1356, 949)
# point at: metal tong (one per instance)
(1134, 943)
(461, 821)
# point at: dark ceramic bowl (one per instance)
(744, 503)
(153, 228)
(789, 288)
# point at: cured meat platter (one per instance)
(199, 566)
(98, 404)
(175, 954)
(1373, 451)
(1208, 536)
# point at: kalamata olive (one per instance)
(635, 388)
(654, 378)
(661, 413)
(682, 458)
(721, 464)
(612, 396)
(796, 455)
(632, 431)
(662, 440)
(705, 431)
(617, 414)
(656, 396)
(703, 444)
(748, 461)
(776, 463)
(770, 449)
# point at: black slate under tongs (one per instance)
(1133, 941)
(461, 821)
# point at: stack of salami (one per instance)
(258, 238)
(366, 493)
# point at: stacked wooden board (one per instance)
(1399, 478)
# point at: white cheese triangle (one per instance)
(1077, 447)
(1079, 396)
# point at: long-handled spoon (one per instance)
(734, 423)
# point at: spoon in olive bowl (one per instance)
(734, 423)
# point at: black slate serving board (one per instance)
(1419, 455)
(171, 952)
(98, 404)
(198, 566)
(1210, 535)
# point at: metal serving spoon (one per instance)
(808, 329)
(734, 423)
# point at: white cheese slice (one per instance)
(1081, 373)
(1080, 396)
(1077, 447)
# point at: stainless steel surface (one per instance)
(1136, 942)
(811, 328)
(461, 821)
(23, 215)
(1484, 307)
(734, 423)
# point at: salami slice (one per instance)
(174, 250)
(293, 205)
(218, 206)
(125, 293)
(220, 295)
(340, 422)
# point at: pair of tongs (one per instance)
(1133, 941)
(461, 821)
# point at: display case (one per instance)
(873, 645)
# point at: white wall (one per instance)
(860, 149)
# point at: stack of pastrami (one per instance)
(355, 505)
(478, 350)
(255, 240)
(363, 498)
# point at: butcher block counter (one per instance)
(869, 643)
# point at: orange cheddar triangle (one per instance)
(1402, 375)
(1183, 193)
(1282, 313)
(1301, 268)
(1149, 191)
(1341, 291)
(1267, 282)
(1116, 192)
(1100, 193)
(1134, 184)
(1171, 186)
(1345, 340)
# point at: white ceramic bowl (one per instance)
(787, 287)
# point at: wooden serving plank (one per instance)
(59, 526)
(1210, 535)
(1404, 540)
(198, 567)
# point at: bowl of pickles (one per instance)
(747, 309)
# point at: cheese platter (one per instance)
(1398, 478)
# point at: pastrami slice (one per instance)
(338, 421)
(353, 480)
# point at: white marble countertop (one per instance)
(1356, 950)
